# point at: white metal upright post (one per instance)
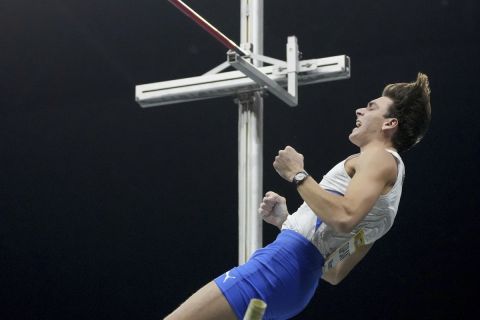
(250, 139)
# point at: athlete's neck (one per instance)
(377, 145)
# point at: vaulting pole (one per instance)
(250, 139)
(199, 20)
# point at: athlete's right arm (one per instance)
(273, 209)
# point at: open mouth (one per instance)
(358, 124)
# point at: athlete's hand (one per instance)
(273, 209)
(288, 163)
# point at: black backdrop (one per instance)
(110, 211)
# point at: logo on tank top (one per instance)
(228, 276)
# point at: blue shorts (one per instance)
(284, 274)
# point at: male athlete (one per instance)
(360, 193)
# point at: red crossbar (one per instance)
(207, 26)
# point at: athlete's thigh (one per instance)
(206, 303)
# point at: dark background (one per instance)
(111, 211)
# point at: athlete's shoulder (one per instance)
(378, 159)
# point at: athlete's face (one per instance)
(371, 121)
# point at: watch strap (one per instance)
(300, 177)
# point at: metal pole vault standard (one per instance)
(250, 139)
(247, 85)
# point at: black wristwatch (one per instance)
(300, 177)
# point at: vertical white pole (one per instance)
(250, 140)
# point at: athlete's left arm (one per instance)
(374, 170)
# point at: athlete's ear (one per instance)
(390, 123)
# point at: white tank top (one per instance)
(375, 224)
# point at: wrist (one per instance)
(300, 177)
(290, 175)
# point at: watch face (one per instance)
(300, 176)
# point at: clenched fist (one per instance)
(288, 163)
(274, 209)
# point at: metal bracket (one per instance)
(244, 98)
(290, 97)
(279, 64)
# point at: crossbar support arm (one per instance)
(262, 79)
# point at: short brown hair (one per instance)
(411, 106)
